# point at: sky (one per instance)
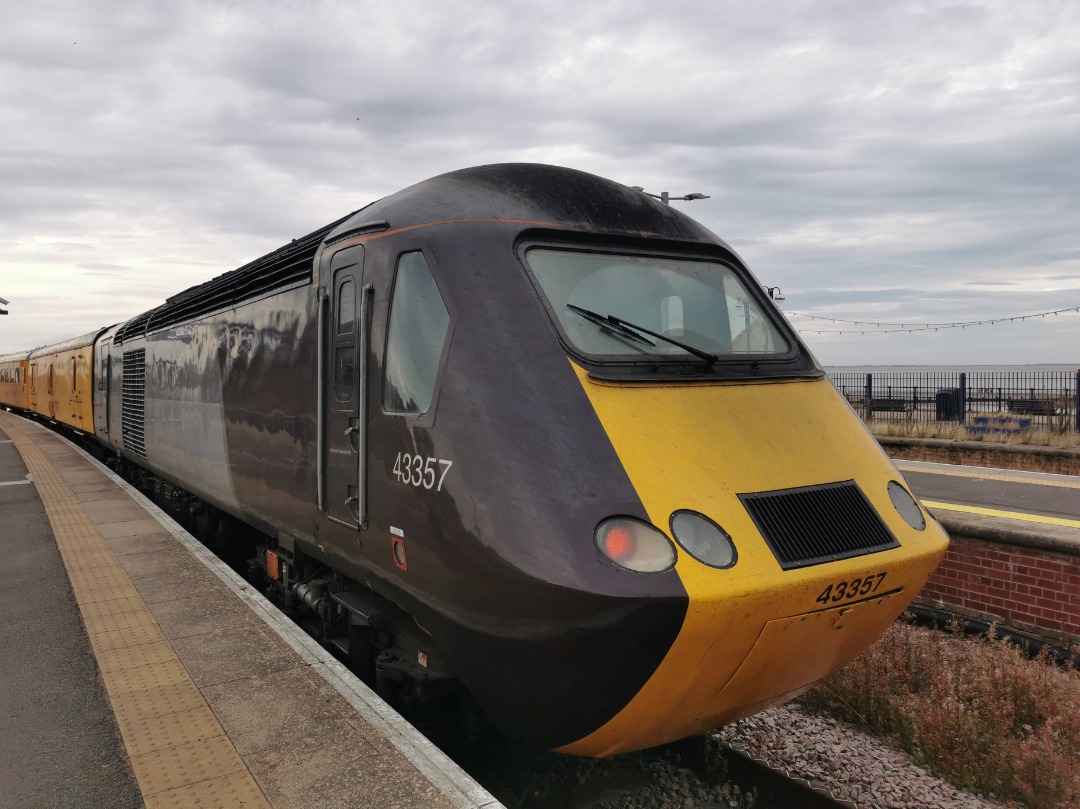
(880, 161)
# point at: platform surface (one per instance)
(1029, 493)
(137, 669)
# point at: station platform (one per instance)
(136, 669)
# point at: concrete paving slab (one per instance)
(337, 777)
(113, 510)
(128, 528)
(171, 585)
(99, 494)
(213, 612)
(83, 488)
(142, 543)
(169, 561)
(227, 656)
(309, 708)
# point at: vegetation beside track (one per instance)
(974, 711)
(1062, 438)
(1052, 452)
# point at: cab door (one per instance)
(343, 396)
(101, 386)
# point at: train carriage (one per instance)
(14, 390)
(61, 380)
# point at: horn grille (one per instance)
(816, 524)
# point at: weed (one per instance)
(1058, 435)
(973, 711)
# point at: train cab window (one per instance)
(702, 304)
(346, 307)
(419, 322)
(344, 372)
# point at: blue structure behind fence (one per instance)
(983, 401)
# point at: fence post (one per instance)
(963, 397)
(1078, 400)
(870, 396)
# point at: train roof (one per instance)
(529, 193)
(285, 267)
(15, 356)
(72, 343)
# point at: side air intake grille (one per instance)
(818, 524)
(134, 401)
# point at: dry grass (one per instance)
(1062, 439)
(975, 712)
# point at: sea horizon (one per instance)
(950, 368)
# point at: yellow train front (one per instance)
(794, 537)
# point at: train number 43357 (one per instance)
(848, 590)
(416, 470)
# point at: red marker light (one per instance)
(618, 543)
(635, 545)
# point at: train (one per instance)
(521, 432)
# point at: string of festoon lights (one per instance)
(908, 327)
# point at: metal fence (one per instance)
(982, 401)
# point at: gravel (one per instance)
(661, 778)
(851, 765)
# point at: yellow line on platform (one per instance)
(1009, 515)
(986, 475)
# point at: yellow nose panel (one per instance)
(698, 446)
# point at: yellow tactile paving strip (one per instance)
(179, 752)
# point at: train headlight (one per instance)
(703, 539)
(635, 545)
(905, 504)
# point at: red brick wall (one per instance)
(1030, 589)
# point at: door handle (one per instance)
(349, 500)
(351, 430)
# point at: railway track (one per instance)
(699, 772)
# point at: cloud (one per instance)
(865, 156)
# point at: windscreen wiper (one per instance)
(609, 324)
(627, 328)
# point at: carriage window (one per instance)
(418, 325)
(703, 304)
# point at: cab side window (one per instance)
(345, 343)
(419, 322)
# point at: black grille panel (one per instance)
(818, 524)
(133, 410)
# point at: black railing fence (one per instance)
(982, 401)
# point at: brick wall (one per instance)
(1033, 590)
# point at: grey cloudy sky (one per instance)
(882, 161)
